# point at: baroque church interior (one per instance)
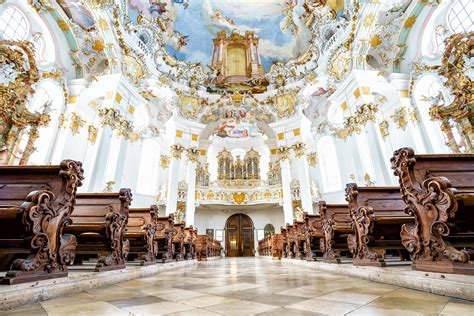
(236, 157)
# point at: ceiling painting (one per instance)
(191, 26)
(78, 13)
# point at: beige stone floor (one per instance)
(248, 286)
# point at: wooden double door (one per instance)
(239, 240)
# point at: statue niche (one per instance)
(238, 173)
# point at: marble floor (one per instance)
(248, 286)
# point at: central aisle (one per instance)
(246, 286)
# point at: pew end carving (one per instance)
(438, 191)
(35, 206)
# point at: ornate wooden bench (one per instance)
(216, 248)
(312, 232)
(271, 245)
(178, 241)
(99, 222)
(291, 240)
(190, 242)
(336, 226)
(207, 247)
(439, 192)
(164, 237)
(265, 246)
(141, 230)
(284, 237)
(276, 246)
(377, 215)
(35, 206)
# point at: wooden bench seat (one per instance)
(264, 246)
(207, 247)
(99, 221)
(290, 240)
(298, 238)
(190, 242)
(377, 215)
(271, 245)
(35, 206)
(336, 226)
(178, 241)
(438, 191)
(140, 232)
(312, 235)
(164, 237)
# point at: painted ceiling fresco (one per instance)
(238, 123)
(192, 24)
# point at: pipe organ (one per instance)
(238, 172)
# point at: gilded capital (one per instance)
(312, 159)
(284, 153)
(192, 154)
(176, 151)
(299, 149)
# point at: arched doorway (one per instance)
(239, 240)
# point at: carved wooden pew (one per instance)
(216, 248)
(290, 241)
(207, 247)
(299, 238)
(264, 246)
(141, 230)
(377, 215)
(276, 246)
(202, 247)
(336, 226)
(99, 222)
(312, 235)
(284, 237)
(271, 246)
(439, 192)
(164, 237)
(190, 242)
(35, 206)
(178, 241)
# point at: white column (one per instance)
(285, 183)
(305, 189)
(173, 180)
(191, 180)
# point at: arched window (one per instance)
(460, 16)
(148, 170)
(328, 164)
(13, 24)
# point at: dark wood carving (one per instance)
(35, 206)
(312, 234)
(377, 214)
(164, 237)
(336, 225)
(290, 239)
(207, 247)
(99, 222)
(178, 241)
(190, 242)
(271, 245)
(438, 191)
(141, 231)
(284, 237)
